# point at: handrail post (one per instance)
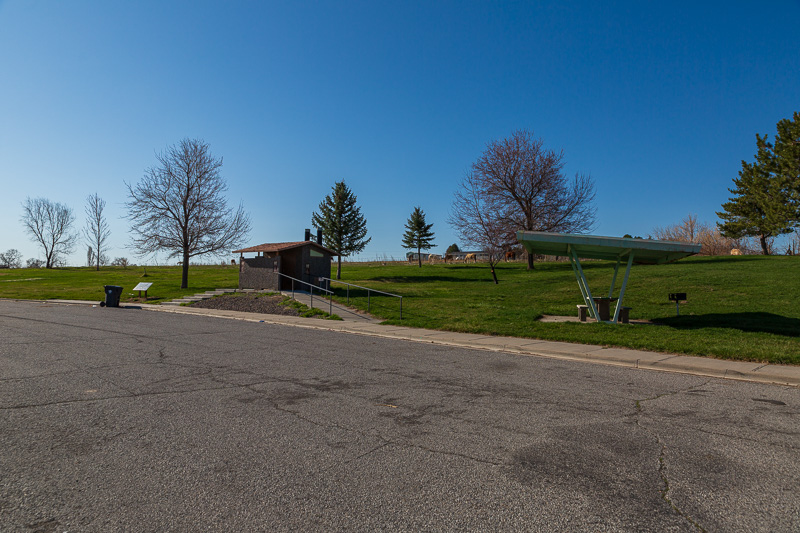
(348, 294)
(368, 293)
(401, 308)
(293, 289)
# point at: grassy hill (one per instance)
(745, 307)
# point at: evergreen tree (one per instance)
(344, 229)
(418, 234)
(452, 248)
(766, 201)
(787, 156)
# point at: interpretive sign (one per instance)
(142, 287)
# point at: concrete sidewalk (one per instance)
(347, 314)
(701, 366)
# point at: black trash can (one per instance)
(113, 292)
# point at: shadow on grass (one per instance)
(751, 322)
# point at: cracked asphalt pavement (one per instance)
(136, 420)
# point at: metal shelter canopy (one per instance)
(641, 251)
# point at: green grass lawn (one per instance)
(744, 308)
(85, 283)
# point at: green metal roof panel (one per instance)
(645, 251)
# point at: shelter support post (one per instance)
(622, 290)
(614, 279)
(582, 284)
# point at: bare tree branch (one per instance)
(11, 258)
(712, 240)
(526, 188)
(49, 224)
(474, 218)
(96, 231)
(179, 206)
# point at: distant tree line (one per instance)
(711, 239)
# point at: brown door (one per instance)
(289, 268)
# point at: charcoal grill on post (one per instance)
(677, 297)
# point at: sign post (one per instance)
(677, 297)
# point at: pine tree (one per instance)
(766, 201)
(418, 234)
(787, 156)
(344, 229)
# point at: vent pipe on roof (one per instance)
(308, 235)
(319, 236)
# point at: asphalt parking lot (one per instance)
(137, 420)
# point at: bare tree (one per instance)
(96, 231)
(474, 218)
(11, 258)
(120, 262)
(712, 240)
(50, 225)
(687, 230)
(179, 207)
(34, 263)
(525, 186)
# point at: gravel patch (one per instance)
(249, 303)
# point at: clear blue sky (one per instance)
(658, 101)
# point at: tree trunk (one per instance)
(419, 256)
(530, 261)
(185, 270)
(494, 275)
(763, 239)
(339, 268)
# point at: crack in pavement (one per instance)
(354, 459)
(662, 462)
(743, 438)
(111, 397)
(367, 434)
(37, 376)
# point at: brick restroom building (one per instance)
(306, 261)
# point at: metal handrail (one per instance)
(368, 293)
(330, 298)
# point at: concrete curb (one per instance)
(684, 364)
